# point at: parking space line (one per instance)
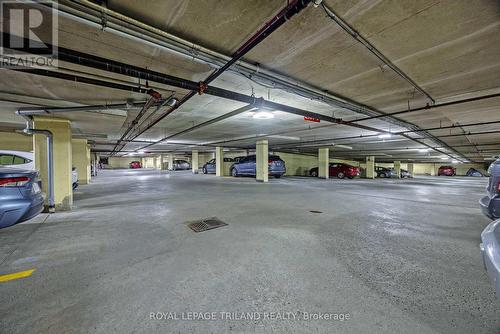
(13, 276)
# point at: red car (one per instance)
(447, 171)
(135, 164)
(339, 170)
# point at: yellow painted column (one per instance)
(61, 130)
(323, 163)
(219, 161)
(433, 170)
(194, 161)
(397, 168)
(410, 168)
(262, 157)
(81, 159)
(370, 167)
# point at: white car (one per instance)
(17, 159)
(25, 160)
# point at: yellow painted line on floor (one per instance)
(13, 276)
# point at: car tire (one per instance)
(277, 176)
(340, 175)
(314, 173)
(350, 177)
(205, 170)
(382, 175)
(234, 172)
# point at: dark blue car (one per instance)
(209, 167)
(20, 196)
(247, 166)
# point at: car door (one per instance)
(334, 170)
(211, 166)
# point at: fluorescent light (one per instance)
(284, 137)
(385, 136)
(444, 158)
(263, 115)
(343, 146)
(423, 150)
(454, 161)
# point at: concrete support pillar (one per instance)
(410, 168)
(170, 159)
(324, 163)
(61, 131)
(370, 167)
(433, 170)
(194, 161)
(81, 159)
(262, 157)
(219, 161)
(397, 168)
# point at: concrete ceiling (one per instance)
(450, 48)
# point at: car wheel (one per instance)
(277, 176)
(382, 175)
(204, 170)
(350, 177)
(314, 173)
(340, 175)
(234, 172)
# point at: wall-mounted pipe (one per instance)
(50, 157)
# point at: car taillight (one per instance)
(498, 186)
(14, 181)
(269, 161)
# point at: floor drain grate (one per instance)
(315, 211)
(206, 224)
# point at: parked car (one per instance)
(490, 237)
(473, 172)
(490, 204)
(447, 171)
(25, 161)
(490, 250)
(339, 170)
(405, 173)
(181, 165)
(248, 164)
(74, 178)
(20, 195)
(384, 172)
(17, 159)
(209, 167)
(135, 165)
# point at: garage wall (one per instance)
(118, 162)
(15, 142)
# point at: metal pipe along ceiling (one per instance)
(89, 13)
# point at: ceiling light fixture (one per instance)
(423, 150)
(385, 136)
(263, 115)
(444, 158)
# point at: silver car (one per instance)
(490, 249)
(490, 246)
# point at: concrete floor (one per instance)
(396, 255)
